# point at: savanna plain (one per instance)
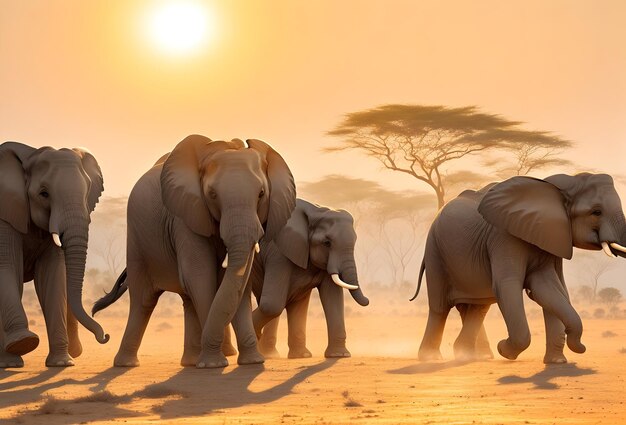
(382, 382)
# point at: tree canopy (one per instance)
(419, 139)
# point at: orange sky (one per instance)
(81, 73)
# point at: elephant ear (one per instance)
(91, 167)
(532, 210)
(282, 199)
(180, 185)
(293, 239)
(14, 207)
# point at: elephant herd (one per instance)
(218, 221)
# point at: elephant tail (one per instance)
(117, 291)
(419, 280)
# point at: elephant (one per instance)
(315, 249)
(203, 202)
(491, 245)
(46, 198)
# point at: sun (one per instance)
(180, 27)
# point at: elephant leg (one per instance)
(244, 331)
(472, 316)
(18, 339)
(297, 313)
(50, 285)
(75, 348)
(7, 359)
(274, 294)
(267, 343)
(549, 292)
(331, 297)
(508, 293)
(483, 348)
(193, 333)
(429, 348)
(143, 300)
(228, 349)
(555, 338)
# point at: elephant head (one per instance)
(53, 192)
(325, 238)
(557, 214)
(239, 192)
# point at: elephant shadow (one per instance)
(428, 367)
(543, 379)
(188, 393)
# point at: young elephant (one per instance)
(315, 249)
(201, 200)
(46, 197)
(491, 245)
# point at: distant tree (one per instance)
(585, 293)
(420, 140)
(531, 151)
(609, 296)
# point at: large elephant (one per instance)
(204, 201)
(46, 197)
(491, 245)
(314, 250)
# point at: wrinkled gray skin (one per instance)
(315, 243)
(45, 191)
(201, 198)
(491, 245)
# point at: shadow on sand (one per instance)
(188, 393)
(542, 380)
(429, 367)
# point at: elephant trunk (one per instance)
(347, 273)
(74, 240)
(228, 296)
(241, 234)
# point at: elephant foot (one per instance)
(20, 342)
(10, 360)
(269, 352)
(507, 350)
(125, 360)
(75, 348)
(429, 355)
(59, 360)
(300, 353)
(212, 360)
(336, 352)
(228, 349)
(483, 352)
(573, 343)
(554, 358)
(464, 353)
(250, 356)
(189, 358)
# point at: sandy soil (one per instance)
(382, 383)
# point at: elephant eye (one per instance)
(44, 194)
(596, 213)
(326, 243)
(261, 193)
(212, 194)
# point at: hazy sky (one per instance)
(84, 73)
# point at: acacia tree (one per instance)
(420, 140)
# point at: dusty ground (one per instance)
(382, 383)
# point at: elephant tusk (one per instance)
(341, 283)
(607, 250)
(257, 248)
(56, 239)
(225, 262)
(618, 247)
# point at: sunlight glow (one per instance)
(180, 27)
